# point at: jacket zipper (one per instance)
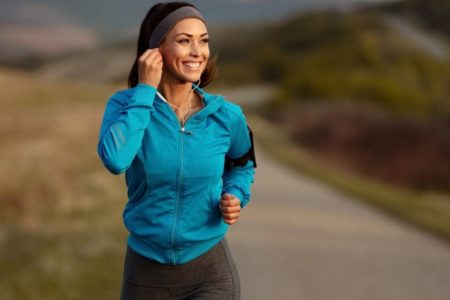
(177, 204)
(173, 233)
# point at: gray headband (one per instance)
(170, 20)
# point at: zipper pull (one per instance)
(183, 130)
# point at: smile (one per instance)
(192, 65)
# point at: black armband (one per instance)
(242, 161)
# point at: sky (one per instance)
(112, 18)
(52, 26)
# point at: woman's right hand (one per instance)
(150, 65)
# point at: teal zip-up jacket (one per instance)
(175, 176)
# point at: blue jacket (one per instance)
(175, 176)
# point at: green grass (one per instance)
(426, 210)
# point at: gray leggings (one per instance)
(211, 276)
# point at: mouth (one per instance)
(192, 65)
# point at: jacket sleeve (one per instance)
(238, 180)
(122, 129)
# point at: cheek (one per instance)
(170, 55)
(206, 51)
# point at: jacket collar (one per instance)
(211, 102)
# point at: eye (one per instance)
(183, 41)
(205, 40)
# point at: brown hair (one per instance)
(154, 16)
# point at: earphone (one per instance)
(197, 85)
(182, 129)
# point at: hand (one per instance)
(231, 208)
(150, 65)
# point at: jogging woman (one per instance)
(188, 159)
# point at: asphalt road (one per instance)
(299, 239)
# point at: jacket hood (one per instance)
(212, 103)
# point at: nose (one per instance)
(195, 49)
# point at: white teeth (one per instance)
(192, 65)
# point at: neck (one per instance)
(175, 93)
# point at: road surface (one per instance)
(299, 239)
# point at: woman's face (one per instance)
(185, 50)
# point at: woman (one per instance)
(188, 160)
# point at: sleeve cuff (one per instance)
(143, 95)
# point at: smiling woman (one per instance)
(188, 157)
(185, 52)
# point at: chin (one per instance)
(191, 78)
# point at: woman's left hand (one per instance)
(230, 206)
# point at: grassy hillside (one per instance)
(336, 56)
(430, 14)
(340, 57)
(61, 234)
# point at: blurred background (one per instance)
(352, 93)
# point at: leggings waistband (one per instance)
(215, 264)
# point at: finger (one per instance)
(153, 57)
(150, 55)
(233, 202)
(226, 208)
(227, 196)
(230, 221)
(230, 209)
(152, 50)
(145, 54)
(159, 62)
(231, 215)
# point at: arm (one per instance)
(123, 127)
(237, 179)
